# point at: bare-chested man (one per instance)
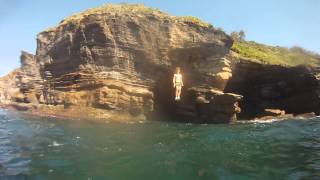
(177, 83)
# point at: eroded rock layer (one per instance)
(119, 60)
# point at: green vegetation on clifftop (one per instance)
(275, 55)
(248, 50)
(131, 9)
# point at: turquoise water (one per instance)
(35, 148)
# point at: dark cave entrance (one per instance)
(189, 60)
(164, 104)
(274, 87)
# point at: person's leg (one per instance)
(176, 93)
(179, 91)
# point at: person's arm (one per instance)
(174, 80)
(181, 81)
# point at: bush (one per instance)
(275, 55)
(195, 20)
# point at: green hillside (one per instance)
(275, 55)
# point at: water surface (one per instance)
(38, 148)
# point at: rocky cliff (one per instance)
(117, 61)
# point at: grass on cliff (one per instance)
(113, 8)
(132, 9)
(275, 55)
(195, 20)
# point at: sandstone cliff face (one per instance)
(119, 60)
(8, 87)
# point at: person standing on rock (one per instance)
(177, 83)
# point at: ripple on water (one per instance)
(13, 159)
(43, 149)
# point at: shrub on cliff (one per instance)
(265, 54)
(131, 9)
(195, 20)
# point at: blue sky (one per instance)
(274, 22)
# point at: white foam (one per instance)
(55, 144)
(262, 121)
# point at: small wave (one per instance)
(265, 121)
(262, 121)
(55, 144)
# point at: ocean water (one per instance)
(39, 148)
